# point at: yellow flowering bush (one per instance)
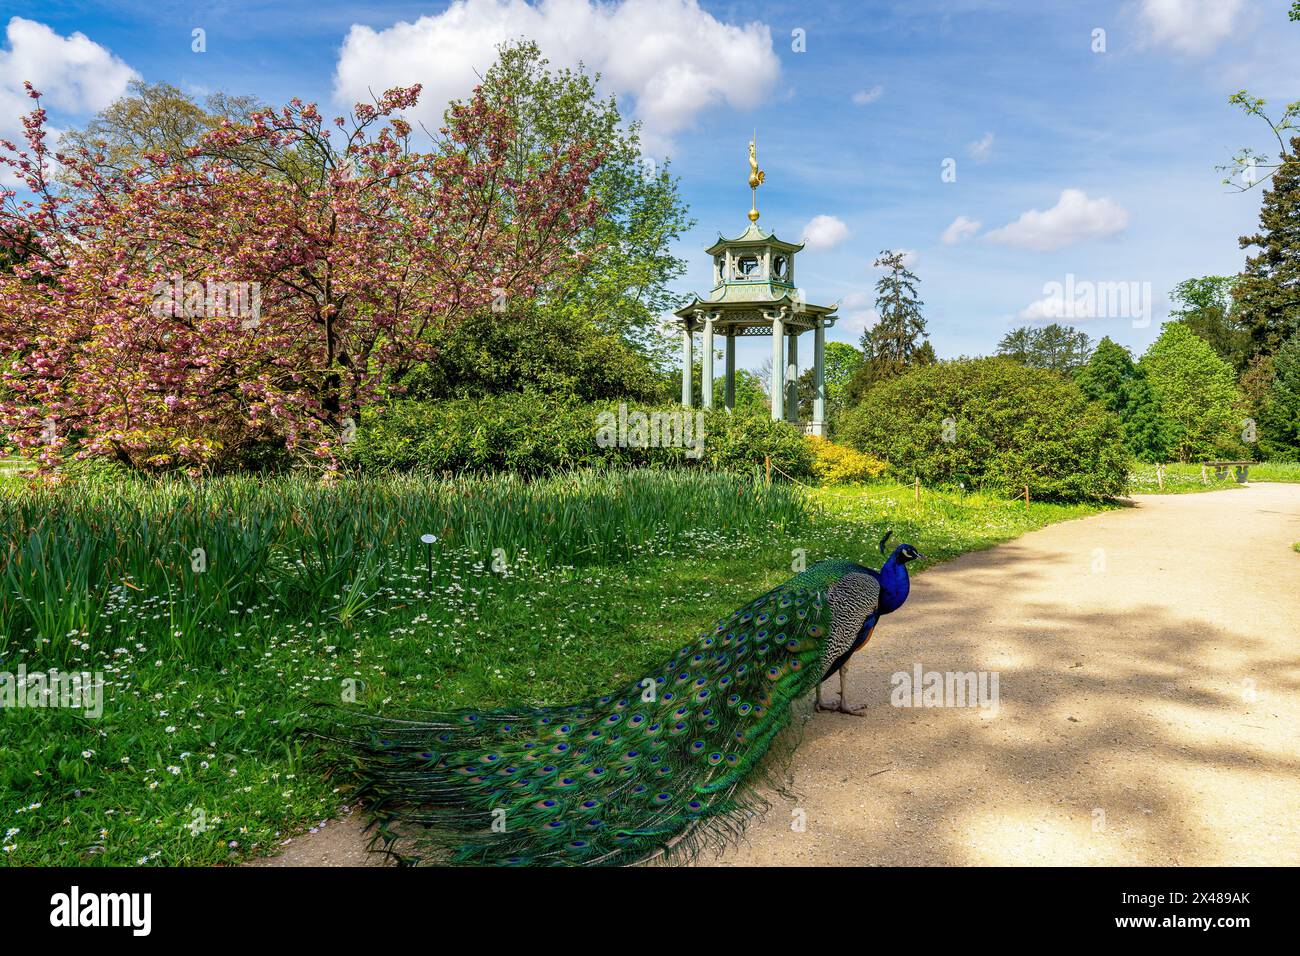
(837, 464)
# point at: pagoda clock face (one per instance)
(781, 267)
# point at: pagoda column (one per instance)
(819, 377)
(792, 380)
(729, 389)
(688, 362)
(706, 370)
(778, 367)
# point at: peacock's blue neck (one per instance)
(894, 585)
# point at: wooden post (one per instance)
(767, 463)
(1160, 476)
(1026, 496)
(1205, 479)
(917, 497)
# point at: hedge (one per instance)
(996, 423)
(532, 434)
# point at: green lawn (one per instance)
(199, 756)
(1183, 479)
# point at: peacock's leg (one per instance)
(843, 707)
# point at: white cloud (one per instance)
(73, 73)
(1192, 26)
(671, 58)
(823, 232)
(863, 97)
(1053, 308)
(981, 149)
(960, 229)
(1074, 218)
(857, 313)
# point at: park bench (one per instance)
(1241, 470)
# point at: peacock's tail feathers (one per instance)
(664, 767)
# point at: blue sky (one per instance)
(855, 126)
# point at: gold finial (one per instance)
(756, 176)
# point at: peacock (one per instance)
(664, 766)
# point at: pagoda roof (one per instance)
(753, 236)
(750, 297)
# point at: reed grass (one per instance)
(177, 564)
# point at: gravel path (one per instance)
(1148, 706)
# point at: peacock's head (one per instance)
(901, 554)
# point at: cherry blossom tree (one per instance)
(265, 285)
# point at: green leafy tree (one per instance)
(841, 363)
(158, 118)
(1206, 306)
(1196, 392)
(1114, 380)
(1060, 348)
(624, 287)
(1247, 163)
(750, 392)
(1268, 290)
(529, 348)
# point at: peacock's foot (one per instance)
(839, 708)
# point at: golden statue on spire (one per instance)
(756, 176)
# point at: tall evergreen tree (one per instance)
(898, 340)
(893, 342)
(1268, 290)
(1279, 410)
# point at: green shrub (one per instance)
(837, 465)
(996, 422)
(533, 434)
